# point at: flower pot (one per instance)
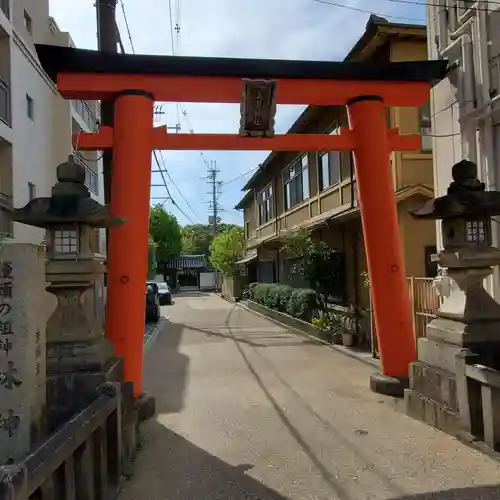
(347, 339)
(337, 339)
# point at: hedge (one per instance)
(297, 302)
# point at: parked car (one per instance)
(165, 294)
(152, 302)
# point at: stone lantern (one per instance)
(467, 325)
(79, 357)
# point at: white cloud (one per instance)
(274, 29)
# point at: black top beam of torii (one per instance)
(56, 59)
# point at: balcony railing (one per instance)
(91, 178)
(83, 109)
(5, 8)
(4, 101)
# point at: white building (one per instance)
(36, 124)
(466, 105)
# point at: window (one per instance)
(329, 172)
(425, 128)
(28, 23)
(31, 191)
(66, 241)
(305, 177)
(29, 107)
(296, 183)
(247, 229)
(329, 167)
(265, 203)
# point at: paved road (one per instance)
(247, 410)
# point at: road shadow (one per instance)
(166, 369)
(271, 340)
(171, 467)
(472, 493)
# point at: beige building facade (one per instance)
(318, 191)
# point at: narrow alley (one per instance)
(248, 410)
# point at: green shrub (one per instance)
(302, 304)
(260, 293)
(251, 290)
(278, 297)
(297, 302)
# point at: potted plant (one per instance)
(347, 338)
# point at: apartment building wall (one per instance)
(33, 98)
(465, 105)
(39, 135)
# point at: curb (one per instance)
(344, 350)
(158, 328)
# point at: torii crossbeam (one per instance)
(135, 82)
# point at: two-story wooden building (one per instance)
(318, 191)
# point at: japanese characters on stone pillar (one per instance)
(79, 357)
(23, 314)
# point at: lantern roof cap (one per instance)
(466, 197)
(69, 204)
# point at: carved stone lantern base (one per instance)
(467, 328)
(79, 357)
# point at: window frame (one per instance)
(265, 199)
(294, 184)
(333, 180)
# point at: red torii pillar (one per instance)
(128, 244)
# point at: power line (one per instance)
(127, 26)
(225, 183)
(214, 206)
(406, 2)
(175, 46)
(443, 5)
(364, 11)
(161, 170)
(177, 188)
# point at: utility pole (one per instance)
(107, 41)
(214, 205)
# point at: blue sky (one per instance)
(275, 29)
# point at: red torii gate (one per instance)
(136, 81)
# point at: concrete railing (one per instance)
(91, 178)
(83, 109)
(4, 101)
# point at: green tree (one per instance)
(316, 263)
(166, 234)
(226, 249)
(197, 238)
(151, 258)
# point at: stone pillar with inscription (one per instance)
(24, 308)
(79, 357)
